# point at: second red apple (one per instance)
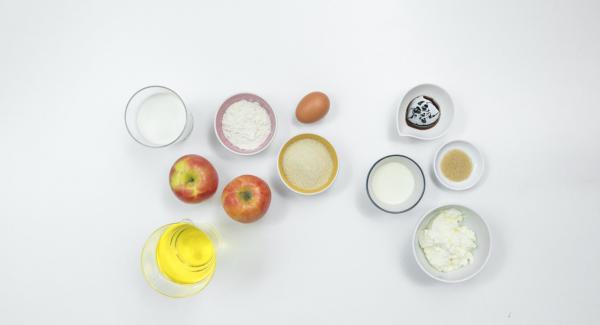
(246, 198)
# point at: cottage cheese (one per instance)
(447, 244)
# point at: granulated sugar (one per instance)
(307, 164)
(246, 124)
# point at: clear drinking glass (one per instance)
(156, 117)
(185, 250)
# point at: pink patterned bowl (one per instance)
(219, 124)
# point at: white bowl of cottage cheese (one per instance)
(452, 243)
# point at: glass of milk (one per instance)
(157, 117)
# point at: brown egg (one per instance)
(312, 107)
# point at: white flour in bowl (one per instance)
(246, 124)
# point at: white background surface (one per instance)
(79, 197)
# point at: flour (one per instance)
(246, 125)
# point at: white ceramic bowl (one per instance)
(481, 254)
(476, 159)
(417, 193)
(446, 107)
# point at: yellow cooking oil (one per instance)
(185, 254)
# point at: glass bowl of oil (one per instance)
(179, 259)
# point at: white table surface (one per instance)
(79, 197)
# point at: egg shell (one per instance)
(312, 107)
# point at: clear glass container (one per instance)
(156, 117)
(158, 277)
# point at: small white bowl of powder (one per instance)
(245, 124)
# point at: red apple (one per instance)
(246, 198)
(193, 179)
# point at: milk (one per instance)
(393, 183)
(161, 118)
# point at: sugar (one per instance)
(456, 165)
(307, 164)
